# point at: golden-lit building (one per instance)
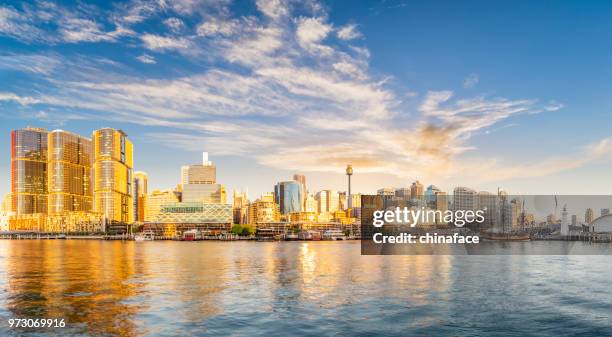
(141, 185)
(156, 200)
(29, 170)
(240, 208)
(69, 169)
(7, 202)
(263, 210)
(113, 161)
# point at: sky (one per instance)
(485, 94)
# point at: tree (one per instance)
(237, 229)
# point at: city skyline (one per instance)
(275, 88)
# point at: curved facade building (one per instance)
(289, 195)
(70, 160)
(113, 161)
(29, 171)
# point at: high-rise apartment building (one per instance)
(29, 170)
(240, 208)
(113, 161)
(141, 185)
(70, 160)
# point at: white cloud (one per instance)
(144, 58)
(273, 8)
(273, 100)
(470, 81)
(175, 24)
(9, 96)
(213, 26)
(310, 32)
(348, 32)
(157, 42)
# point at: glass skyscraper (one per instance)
(289, 195)
(113, 162)
(29, 171)
(70, 160)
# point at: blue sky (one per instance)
(484, 94)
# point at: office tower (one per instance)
(113, 157)
(416, 190)
(430, 193)
(7, 203)
(402, 193)
(487, 202)
(327, 201)
(289, 195)
(184, 177)
(464, 198)
(200, 183)
(141, 185)
(588, 216)
(574, 220)
(206, 173)
(300, 178)
(441, 205)
(29, 170)
(311, 204)
(264, 210)
(386, 191)
(156, 200)
(240, 208)
(70, 160)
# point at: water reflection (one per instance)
(314, 288)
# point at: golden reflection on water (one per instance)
(131, 288)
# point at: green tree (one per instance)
(237, 229)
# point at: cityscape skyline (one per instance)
(278, 87)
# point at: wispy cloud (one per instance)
(145, 58)
(266, 85)
(158, 42)
(348, 32)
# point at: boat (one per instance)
(192, 235)
(334, 235)
(291, 237)
(145, 236)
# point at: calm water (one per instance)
(317, 289)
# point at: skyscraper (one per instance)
(141, 185)
(300, 178)
(588, 216)
(70, 160)
(289, 195)
(113, 154)
(416, 190)
(200, 183)
(29, 170)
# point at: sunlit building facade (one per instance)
(289, 196)
(264, 210)
(113, 161)
(156, 200)
(141, 185)
(70, 160)
(29, 171)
